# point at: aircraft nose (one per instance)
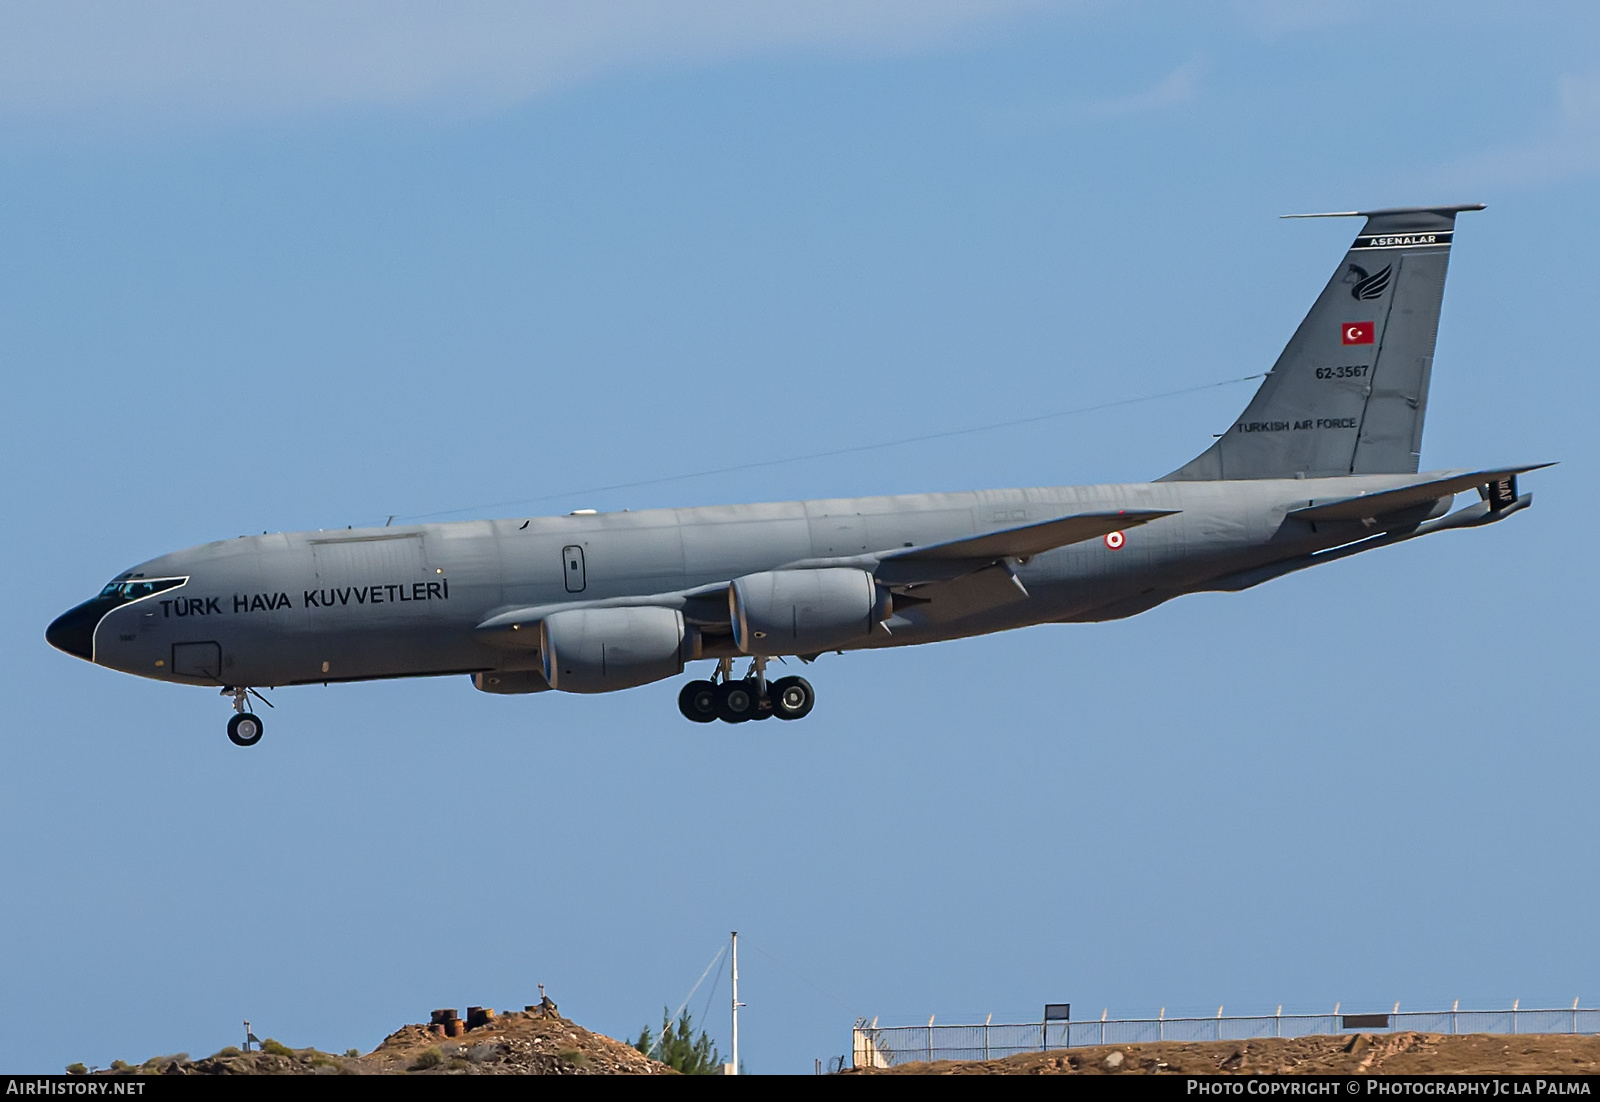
(73, 631)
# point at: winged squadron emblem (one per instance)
(1367, 287)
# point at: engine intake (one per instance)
(598, 650)
(803, 611)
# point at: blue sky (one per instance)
(294, 266)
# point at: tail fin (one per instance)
(1349, 392)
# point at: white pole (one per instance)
(733, 1068)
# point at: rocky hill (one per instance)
(1362, 1054)
(530, 1042)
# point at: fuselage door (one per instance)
(572, 568)
(202, 660)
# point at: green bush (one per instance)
(427, 1058)
(679, 1048)
(276, 1048)
(229, 1051)
(574, 1057)
(119, 1065)
(353, 1053)
(77, 1069)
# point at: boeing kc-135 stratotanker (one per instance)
(1321, 465)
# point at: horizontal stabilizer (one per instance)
(1386, 502)
(1030, 539)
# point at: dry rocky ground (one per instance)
(1364, 1053)
(518, 1043)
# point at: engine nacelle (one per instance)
(598, 650)
(805, 611)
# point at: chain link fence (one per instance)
(884, 1046)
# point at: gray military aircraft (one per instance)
(1321, 465)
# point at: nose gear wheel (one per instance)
(244, 729)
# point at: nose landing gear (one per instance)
(750, 697)
(244, 729)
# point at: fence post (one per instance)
(1278, 1028)
(1219, 1023)
(1394, 1018)
(986, 1022)
(1103, 1014)
(1453, 1011)
(1161, 1024)
(1514, 1003)
(1574, 1015)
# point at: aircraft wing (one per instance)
(1386, 502)
(953, 558)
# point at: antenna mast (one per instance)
(733, 1067)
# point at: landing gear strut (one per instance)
(750, 697)
(244, 729)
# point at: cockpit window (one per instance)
(141, 587)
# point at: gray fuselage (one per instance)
(351, 604)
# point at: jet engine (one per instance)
(805, 611)
(597, 650)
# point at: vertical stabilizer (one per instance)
(1349, 393)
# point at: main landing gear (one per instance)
(750, 697)
(244, 729)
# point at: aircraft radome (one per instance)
(1322, 464)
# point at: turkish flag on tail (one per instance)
(1357, 332)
